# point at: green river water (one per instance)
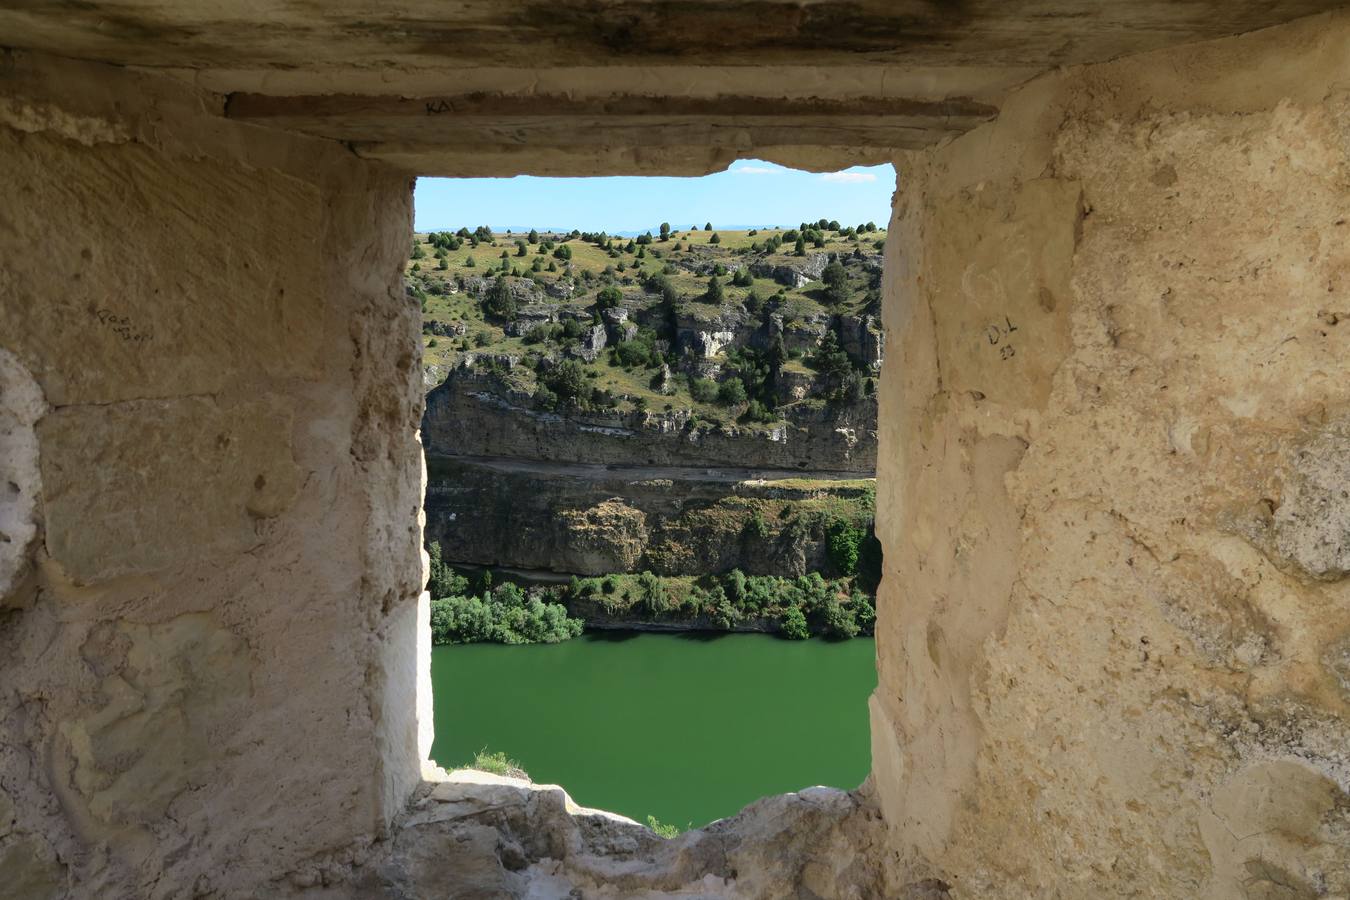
(688, 728)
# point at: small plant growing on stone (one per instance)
(662, 830)
(497, 763)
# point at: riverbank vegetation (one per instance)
(468, 609)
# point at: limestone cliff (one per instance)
(480, 415)
(593, 520)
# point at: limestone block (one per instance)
(1312, 523)
(21, 405)
(140, 486)
(28, 871)
(1260, 826)
(1004, 322)
(131, 275)
(167, 702)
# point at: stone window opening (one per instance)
(458, 455)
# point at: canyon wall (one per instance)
(474, 415)
(589, 520)
(210, 577)
(1115, 449)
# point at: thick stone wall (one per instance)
(1113, 442)
(1112, 484)
(208, 411)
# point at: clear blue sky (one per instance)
(750, 193)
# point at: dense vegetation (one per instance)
(465, 612)
(461, 614)
(593, 322)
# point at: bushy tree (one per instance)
(545, 399)
(844, 540)
(608, 298)
(793, 624)
(499, 301)
(704, 390)
(715, 293)
(707, 227)
(715, 239)
(568, 380)
(731, 392)
(533, 236)
(840, 620)
(800, 248)
(665, 231)
(829, 358)
(835, 277)
(654, 596)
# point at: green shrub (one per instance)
(654, 596)
(499, 301)
(836, 283)
(443, 581)
(793, 624)
(731, 392)
(840, 619)
(704, 390)
(568, 380)
(843, 541)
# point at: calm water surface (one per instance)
(688, 728)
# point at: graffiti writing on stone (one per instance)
(123, 327)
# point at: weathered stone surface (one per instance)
(151, 457)
(1094, 668)
(1311, 525)
(108, 328)
(479, 835)
(184, 682)
(28, 871)
(1092, 678)
(21, 405)
(189, 633)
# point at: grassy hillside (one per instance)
(731, 325)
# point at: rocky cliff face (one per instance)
(590, 521)
(477, 415)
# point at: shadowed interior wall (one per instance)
(209, 652)
(1115, 441)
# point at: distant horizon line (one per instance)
(626, 232)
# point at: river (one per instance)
(686, 727)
